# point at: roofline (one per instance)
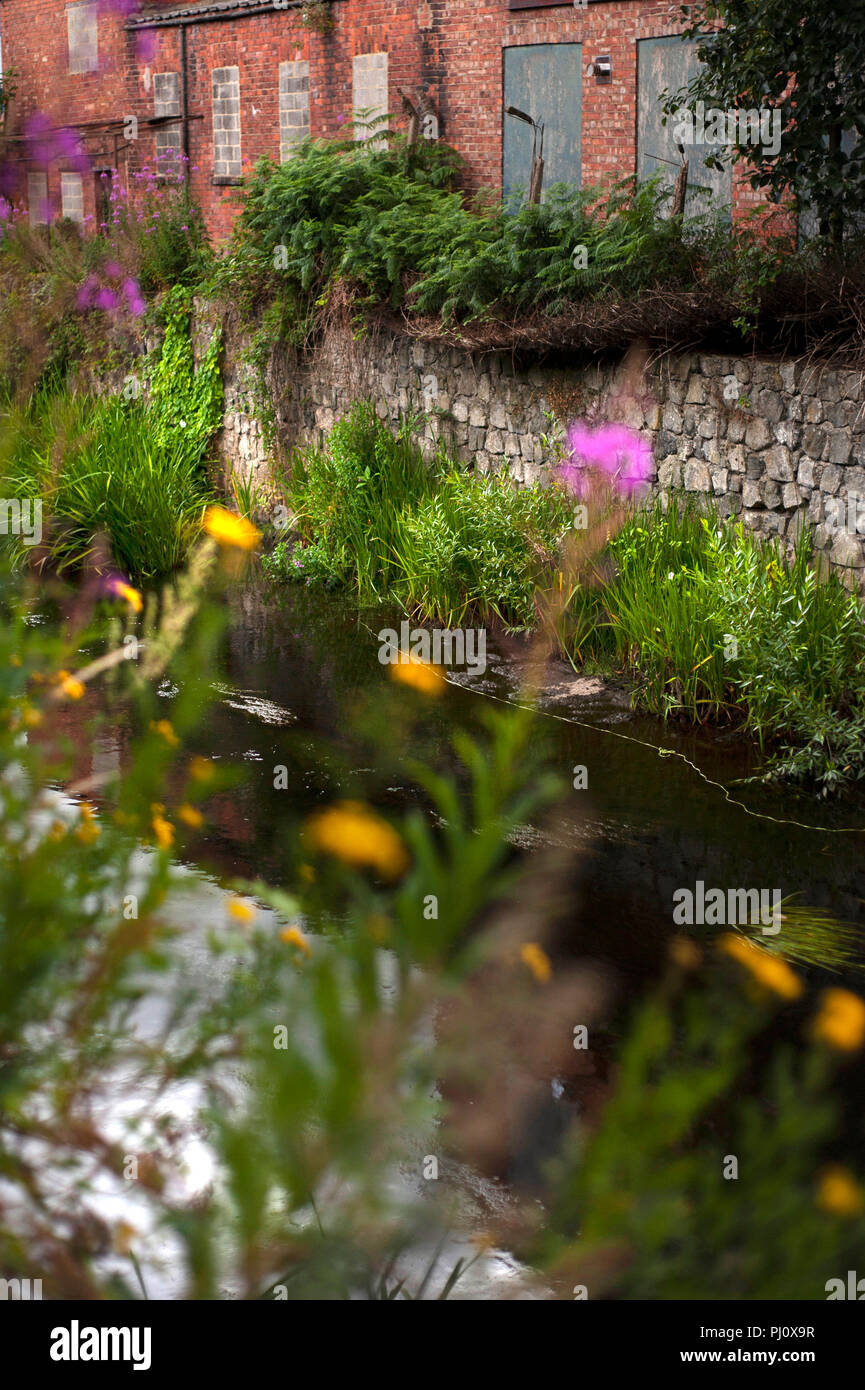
(210, 11)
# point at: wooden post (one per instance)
(411, 111)
(680, 189)
(537, 180)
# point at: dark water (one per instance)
(646, 824)
(301, 688)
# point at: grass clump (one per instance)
(716, 625)
(376, 518)
(132, 470)
(116, 478)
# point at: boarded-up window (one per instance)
(226, 123)
(671, 63)
(81, 28)
(37, 198)
(166, 102)
(544, 81)
(72, 197)
(293, 106)
(369, 96)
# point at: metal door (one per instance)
(671, 63)
(545, 81)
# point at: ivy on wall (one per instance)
(184, 398)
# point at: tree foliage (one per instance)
(806, 62)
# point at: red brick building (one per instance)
(230, 80)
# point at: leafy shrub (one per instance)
(442, 541)
(794, 671)
(162, 225)
(314, 205)
(390, 223)
(524, 255)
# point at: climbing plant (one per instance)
(185, 398)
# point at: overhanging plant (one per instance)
(8, 88)
(317, 15)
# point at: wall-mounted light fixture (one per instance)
(601, 69)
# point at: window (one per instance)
(293, 106)
(72, 197)
(226, 123)
(166, 102)
(37, 199)
(81, 22)
(370, 96)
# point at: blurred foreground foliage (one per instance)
(320, 1041)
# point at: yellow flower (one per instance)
(839, 1192)
(355, 834)
(31, 717)
(841, 1020)
(163, 830)
(70, 686)
(768, 970)
(163, 727)
(420, 675)
(295, 937)
(229, 529)
(124, 1234)
(201, 769)
(88, 830)
(240, 911)
(306, 873)
(58, 830)
(684, 953)
(190, 815)
(132, 596)
(536, 958)
(482, 1242)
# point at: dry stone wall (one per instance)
(779, 444)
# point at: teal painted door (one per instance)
(671, 63)
(544, 80)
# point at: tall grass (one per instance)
(375, 517)
(714, 624)
(103, 470)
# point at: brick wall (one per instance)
(451, 49)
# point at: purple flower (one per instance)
(85, 296)
(134, 300)
(616, 450)
(46, 145)
(146, 45)
(105, 298)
